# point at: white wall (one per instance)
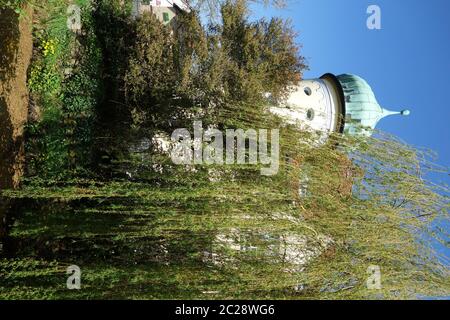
(311, 105)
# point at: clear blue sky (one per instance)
(407, 62)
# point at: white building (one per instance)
(344, 104)
(165, 10)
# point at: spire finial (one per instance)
(405, 112)
(386, 112)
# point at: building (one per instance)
(165, 10)
(343, 104)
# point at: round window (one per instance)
(310, 114)
(307, 91)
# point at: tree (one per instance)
(212, 7)
(264, 56)
(174, 75)
(151, 77)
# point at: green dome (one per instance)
(362, 111)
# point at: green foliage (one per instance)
(16, 5)
(151, 80)
(60, 141)
(263, 54)
(159, 235)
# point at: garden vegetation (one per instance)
(101, 193)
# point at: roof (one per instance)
(362, 110)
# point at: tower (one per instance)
(343, 104)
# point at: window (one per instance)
(165, 17)
(307, 91)
(310, 114)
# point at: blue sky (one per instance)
(407, 62)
